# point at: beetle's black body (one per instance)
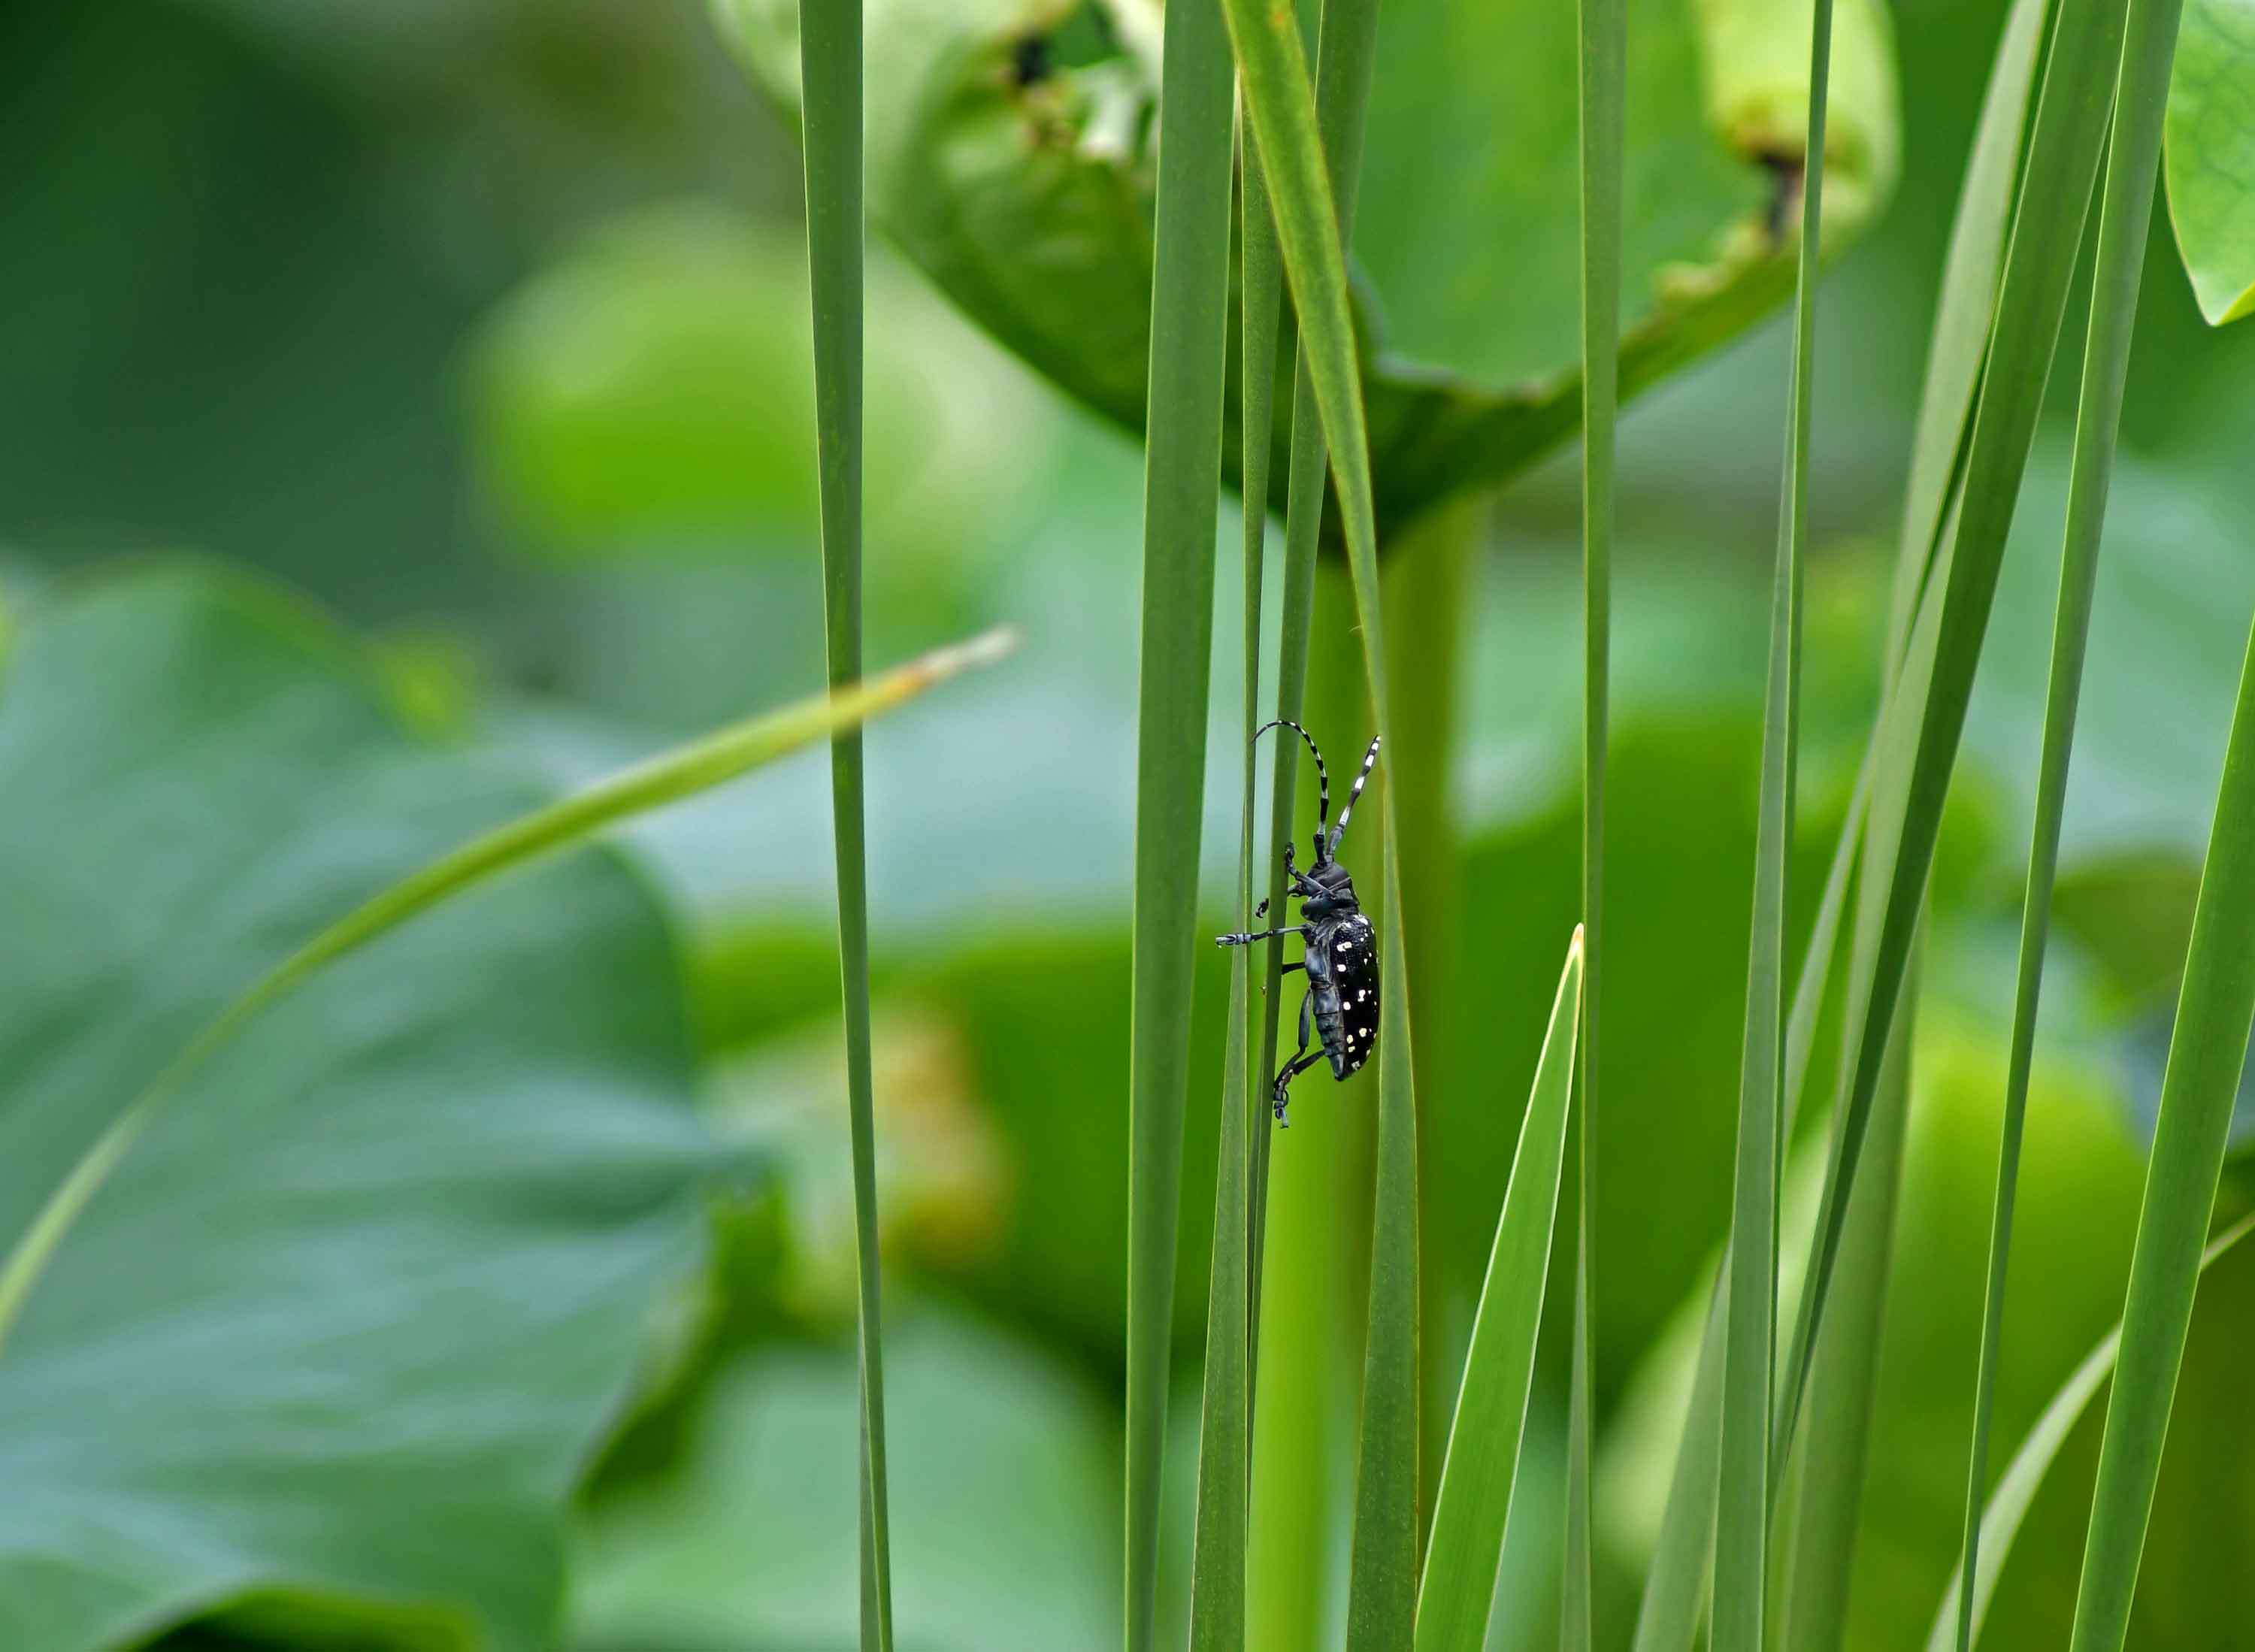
(1341, 1006)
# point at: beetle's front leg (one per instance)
(1300, 930)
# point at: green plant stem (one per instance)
(830, 60)
(682, 772)
(1190, 317)
(1603, 30)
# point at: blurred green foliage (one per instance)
(484, 322)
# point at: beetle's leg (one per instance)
(1301, 1061)
(1289, 969)
(1267, 934)
(1293, 1069)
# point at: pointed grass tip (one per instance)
(983, 649)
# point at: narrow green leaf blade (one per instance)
(682, 772)
(1181, 483)
(2023, 1477)
(2211, 156)
(1602, 39)
(2214, 1006)
(1483, 1458)
(1926, 721)
(1748, 1482)
(830, 63)
(1820, 1539)
(1966, 303)
(1218, 1579)
(1225, 1443)
(1261, 284)
(1668, 1617)
(2125, 219)
(1382, 1595)
(1675, 1582)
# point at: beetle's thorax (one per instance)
(1329, 893)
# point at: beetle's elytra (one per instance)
(1341, 959)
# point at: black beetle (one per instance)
(1342, 948)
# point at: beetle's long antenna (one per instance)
(1323, 785)
(1369, 763)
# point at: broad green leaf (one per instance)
(1458, 1583)
(1182, 478)
(336, 1335)
(2016, 1489)
(830, 61)
(2211, 155)
(2125, 217)
(223, 1083)
(1011, 159)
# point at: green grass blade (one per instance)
(1835, 1449)
(1182, 484)
(1225, 1443)
(830, 74)
(1966, 304)
(1261, 286)
(2208, 1048)
(1291, 1538)
(1603, 41)
(1382, 1595)
(1746, 1481)
(1482, 1458)
(1226, 1427)
(1675, 1582)
(2023, 1477)
(2125, 217)
(1925, 720)
(683, 772)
